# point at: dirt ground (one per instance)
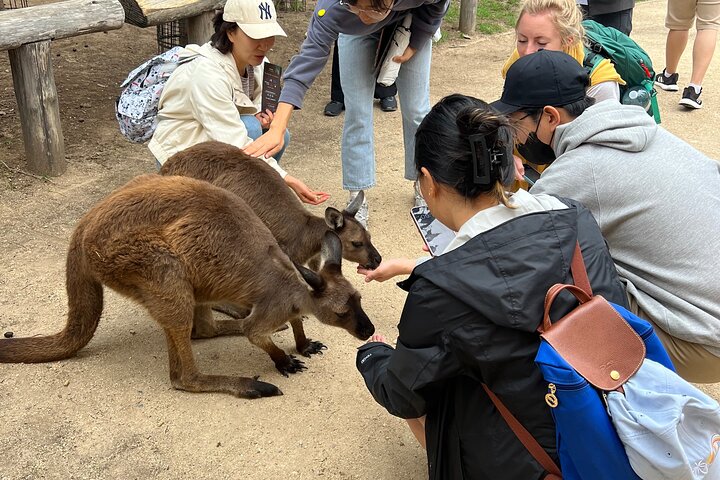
(111, 412)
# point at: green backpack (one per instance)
(632, 63)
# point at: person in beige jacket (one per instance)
(215, 93)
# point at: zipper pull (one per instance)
(607, 407)
(645, 69)
(550, 398)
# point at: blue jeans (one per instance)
(252, 125)
(254, 130)
(357, 54)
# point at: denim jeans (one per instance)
(254, 130)
(252, 125)
(357, 54)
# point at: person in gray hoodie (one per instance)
(356, 24)
(655, 197)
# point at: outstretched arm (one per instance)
(272, 141)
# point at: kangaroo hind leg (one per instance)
(205, 325)
(176, 318)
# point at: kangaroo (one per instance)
(298, 232)
(177, 246)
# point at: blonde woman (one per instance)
(557, 25)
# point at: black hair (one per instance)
(379, 5)
(442, 143)
(574, 109)
(220, 39)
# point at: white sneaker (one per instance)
(419, 200)
(363, 213)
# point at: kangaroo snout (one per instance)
(365, 329)
(374, 259)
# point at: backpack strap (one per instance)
(579, 273)
(525, 437)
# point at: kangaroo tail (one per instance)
(85, 302)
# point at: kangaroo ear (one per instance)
(354, 206)
(316, 282)
(334, 218)
(331, 250)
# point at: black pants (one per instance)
(336, 93)
(621, 20)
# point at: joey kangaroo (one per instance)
(298, 232)
(178, 245)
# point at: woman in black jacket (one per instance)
(471, 313)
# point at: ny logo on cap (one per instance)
(265, 11)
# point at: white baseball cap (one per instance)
(256, 18)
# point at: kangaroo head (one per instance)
(335, 300)
(356, 244)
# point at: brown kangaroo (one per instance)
(178, 245)
(298, 232)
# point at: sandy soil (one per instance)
(111, 412)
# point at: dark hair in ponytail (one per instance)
(442, 144)
(220, 39)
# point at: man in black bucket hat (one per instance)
(654, 196)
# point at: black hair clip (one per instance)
(485, 159)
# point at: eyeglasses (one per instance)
(369, 12)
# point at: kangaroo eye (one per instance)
(357, 244)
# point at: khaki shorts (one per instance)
(681, 13)
(692, 361)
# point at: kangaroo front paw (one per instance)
(290, 364)
(312, 347)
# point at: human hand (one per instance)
(377, 338)
(267, 144)
(519, 168)
(265, 118)
(388, 269)
(304, 193)
(407, 55)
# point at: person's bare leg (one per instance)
(674, 48)
(703, 50)
(417, 427)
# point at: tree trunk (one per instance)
(468, 16)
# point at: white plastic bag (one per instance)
(398, 43)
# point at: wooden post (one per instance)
(200, 28)
(38, 108)
(468, 16)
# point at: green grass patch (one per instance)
(493, 16)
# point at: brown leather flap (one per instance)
(597, 342)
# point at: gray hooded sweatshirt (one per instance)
(657, 201)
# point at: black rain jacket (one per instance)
(471, 316)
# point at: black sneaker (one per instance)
(690, 99)
(388, 104)
(334, 108)
(667, 83)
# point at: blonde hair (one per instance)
(566, 16)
